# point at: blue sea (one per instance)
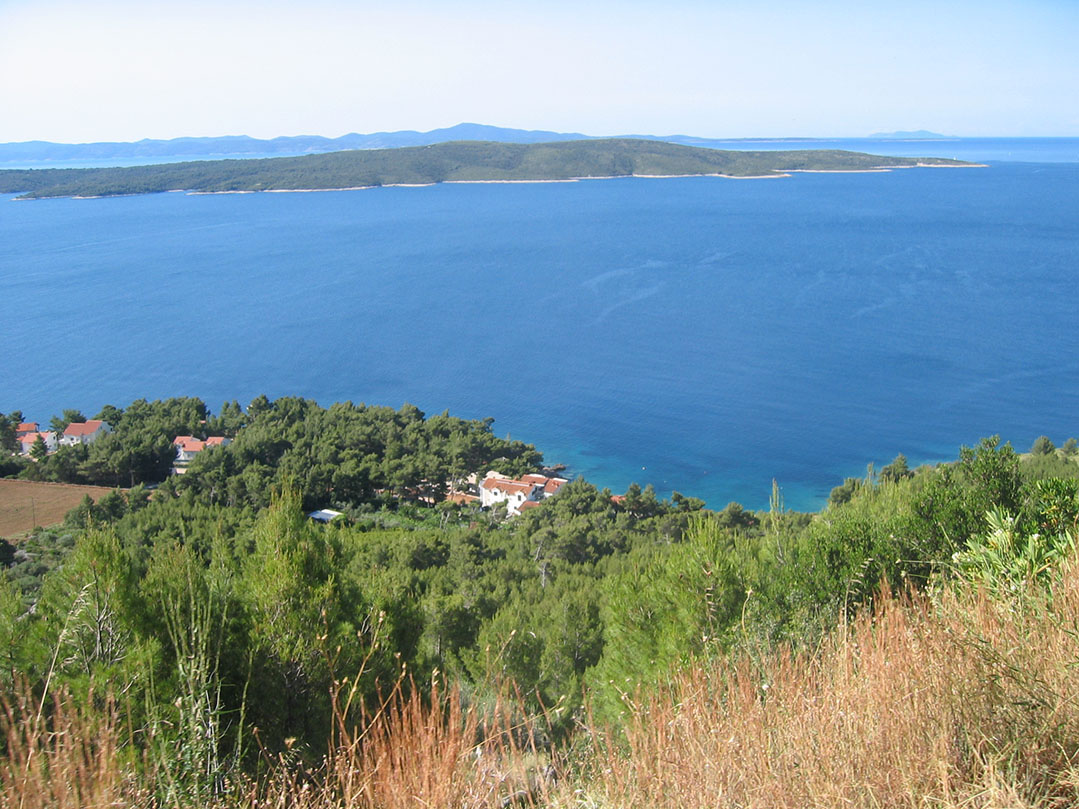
(705, 335)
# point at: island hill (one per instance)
(458, 161)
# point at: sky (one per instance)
(118, 70)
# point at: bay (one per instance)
(701, 334)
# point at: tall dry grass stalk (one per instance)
(960, 702)
(413, 751)
(63, 758)
(423, 751)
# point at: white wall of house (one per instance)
(92, 431)
(27, 441)
(496, 489)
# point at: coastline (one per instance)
(781, 173)
(777, 175)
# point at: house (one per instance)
(187, 447)
(27, 441)
(25, 428)
(83, 432)
(518, 494)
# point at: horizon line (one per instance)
(913, 135)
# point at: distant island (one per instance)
(458, 161)
(915, 134)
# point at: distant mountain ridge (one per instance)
(37, 151)
(239, 145)
(294, 145)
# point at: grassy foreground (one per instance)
(956, 700)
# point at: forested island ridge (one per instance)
(457, 161)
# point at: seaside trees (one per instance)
(952, 502)
(346, 455)
(1042, 446)
(8, 425)
(137, 449)
(59, 423)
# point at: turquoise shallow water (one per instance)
(701, 334)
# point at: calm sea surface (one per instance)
(704, 335)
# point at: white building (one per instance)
(27, 441)
(83, 432)
(187, 446)
(520, 493)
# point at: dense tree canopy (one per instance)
(215, 606)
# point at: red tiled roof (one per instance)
(83, 427)
(216, 440)
(534, 478)
(554, 484)
(528, 504)
(188, 443)
(508, 486)
(26, 427)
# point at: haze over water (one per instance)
(700, 334)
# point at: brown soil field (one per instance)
(25, 504)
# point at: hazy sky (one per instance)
(117, 70)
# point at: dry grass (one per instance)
(966, 703)
(62, 758)
(961, 702)
(26, 504)
(412, 752)
(426, 752)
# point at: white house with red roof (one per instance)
(83, 432)
(25, 428)
(187, 447)
(519, 494)
(27, 441)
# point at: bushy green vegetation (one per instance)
(346, 455)
(226, 625)
(460, 161)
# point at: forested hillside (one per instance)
(443, 162)
(209, 615)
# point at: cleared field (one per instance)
(25, 504)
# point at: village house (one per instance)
(187, 447)
(25, 428)
(83, 432)
(28, 439)
(519, 494)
